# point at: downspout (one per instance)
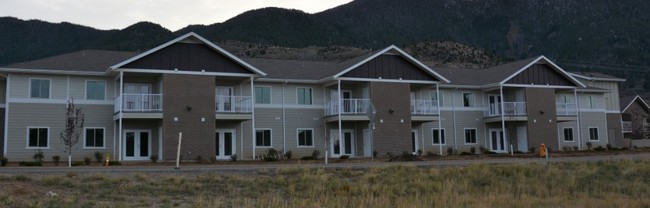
(241, 124)
(284, 123)
(6, 133)
(503, 117)
(119, 149)
(453, 115)
(439, 120)
(253, 118)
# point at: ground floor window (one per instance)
(568, 134)
(263, 137)
(305, 138)
(470, 136)
(438, 136)
(94, 137)
(37, 137)
(593, 134)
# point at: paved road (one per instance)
(251, 168)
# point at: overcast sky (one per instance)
(171, 14)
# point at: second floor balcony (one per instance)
(567, 109)
(348, 107)
(139, 103)
(234, 104)
(509, 109)
(424, 107)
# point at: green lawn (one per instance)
(574, 184)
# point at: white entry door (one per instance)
(522, 139)
(414, 141)
(226, 145)
(137, 144)
(367, 143)
(343, 146)
(497, 141)
(225, 99)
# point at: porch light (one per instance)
(188, 108)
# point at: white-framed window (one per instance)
(592, 103)
(94, 137)
(39, 88)
(305, 137)
(263, 137)
(95, 89)
(593, 133)
(438, 136)
(304, 95)
(469, 99)
(37, 137)
(568, 134)
(262, 95)
(435, 99)
(470, 136)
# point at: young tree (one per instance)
(74, 124)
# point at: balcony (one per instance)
(350, 107)
(234, 104)
(424, 107)
(511, 109)
(138, 103)
(567, 109)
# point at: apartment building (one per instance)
(136, 104)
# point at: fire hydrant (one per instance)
(542, 150)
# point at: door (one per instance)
(494, 108)
(343, 146)
(497, 140)
(225, 99)
(522, 139)
(225, 143)
(367, 143)
(348, 104)
(414, 141)
(137, 144)
(137, 96)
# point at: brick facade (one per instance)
(190, 99)
(392, 104)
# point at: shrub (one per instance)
(38, 156)
(79, 163)
(566, 149)
(199, 159)
(233, 157)
(98, 157)
(389, 155)
(430, 154)
(472, 150)
(154, 158)
(56, 159)
(420, 153)
(600, 148)
(315, 154)
(589, 146)
(36, 163)
(575, 148)
(288, 155)
(532, 149)
(465, 153)
(272, 155)
(3, 161)
(450, 151)
(609, 147)
(481, 148)
(625, 148)
(344, 157)
(87, 160)
(406, 156)
(374, 154)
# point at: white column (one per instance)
(253, 117)
(340, 102)
(439, 121)
(503, 117)
(120, 126)
(575, 96)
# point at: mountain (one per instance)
(593, 35)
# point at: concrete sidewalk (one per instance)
(252, 168)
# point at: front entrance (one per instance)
(414, 141)
(225, 140)
(343, 146)
(497, 140)
(137, 144)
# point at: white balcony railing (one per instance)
(627, 126)
(424, 107)
(349, 106)
(511, 109)
(567, 109)
(234, 104)
(138, 102)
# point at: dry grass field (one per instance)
(622, 183)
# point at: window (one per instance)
(304, 96)
(263, 137)
(593, 134)
(262, 95)
(434, 98)
(305, 138)
(469, 99)
(470, 136)
(94, 138)
(95, 90)
(568, 134)
(591, 102)
(37, 137)
(39, 88)
(436, 137)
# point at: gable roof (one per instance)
(555, 67)
(200, 39)
(628, 102)
(80, 61)
(354, 63)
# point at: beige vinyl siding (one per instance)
(303, 118)
(455, 97)
(594, 119)
(61, 87)
(22, 115)
(596, 98)
(611, 99)
(464, 119)
(78, 87)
